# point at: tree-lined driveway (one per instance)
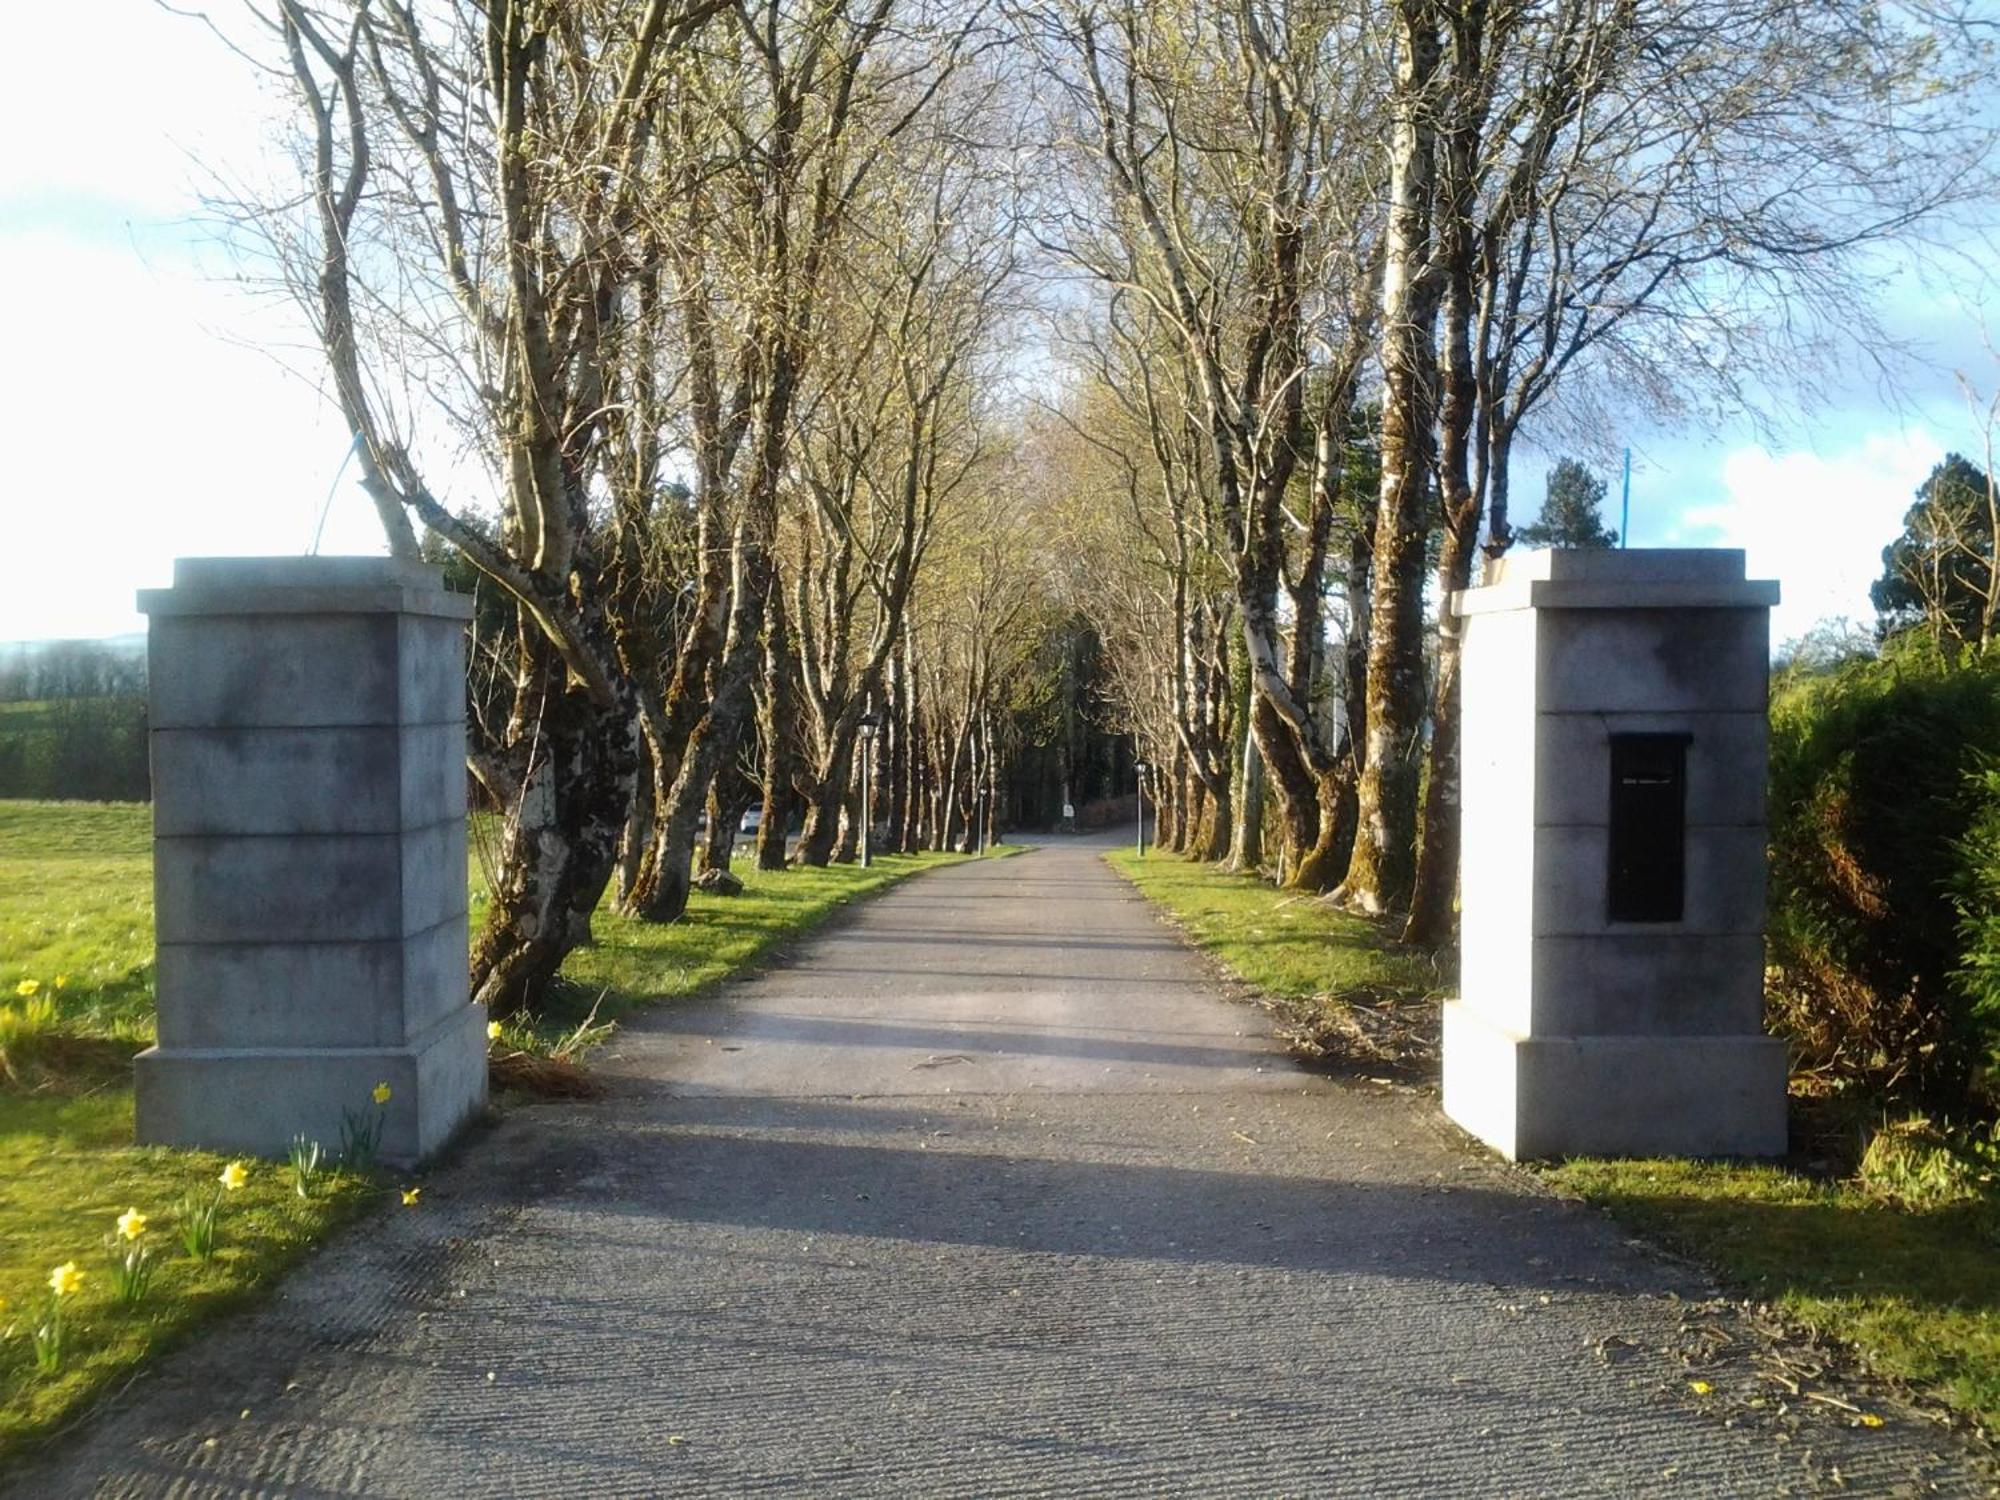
(987, 1191)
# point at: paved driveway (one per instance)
(986, 1192)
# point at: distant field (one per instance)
(47, 713)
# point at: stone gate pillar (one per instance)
(309, 856)
(1612, 964)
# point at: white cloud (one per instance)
(141, 415)
(1815, 521)
(141, 421)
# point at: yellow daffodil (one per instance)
(492, 1031)
(234, 1176)
(1869, 1419)
(62, 981)
(27, 987)
(65, 1279)
(381, 1093)
(410, 1196)
(131, 1224)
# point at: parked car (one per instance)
(747, 829)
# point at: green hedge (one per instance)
(1885, 874)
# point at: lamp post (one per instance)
(868, 723)
(1141, 769)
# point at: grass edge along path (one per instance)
(69, 1170)
(632, 964)
(1916, 1294)
(68, 1173)
(1341, 988)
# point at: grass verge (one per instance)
(76, 912)
(633, 963)
(1914, 1289)
(1343, 990)
(68, 1169)
(76, 926)
(1915, 1292)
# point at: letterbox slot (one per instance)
(1648, 856)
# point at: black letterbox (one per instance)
(1648, 865)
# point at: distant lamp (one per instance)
(1141, 769)
(869, 724)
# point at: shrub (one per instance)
(1879, 767)
(89, 749)
(1977, 893)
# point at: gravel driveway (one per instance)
(985, 1191)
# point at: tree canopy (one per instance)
(831, 360)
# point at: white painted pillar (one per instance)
(1612, 957)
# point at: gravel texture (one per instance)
(986, 1191)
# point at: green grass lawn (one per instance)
(1343, 987)
(1916, 1292)
(76, 904)
(76, 923)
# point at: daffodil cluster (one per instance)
(131, 1248)
(132, 1261)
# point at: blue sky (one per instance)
(150, 408)
(147, 405)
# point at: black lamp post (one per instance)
(1141, 769)
(868, 723)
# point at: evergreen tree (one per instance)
(1569, 515)
(1939, 572)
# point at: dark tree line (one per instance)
(73, 722)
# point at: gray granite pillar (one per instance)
(1612, 876)
(309, 857)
